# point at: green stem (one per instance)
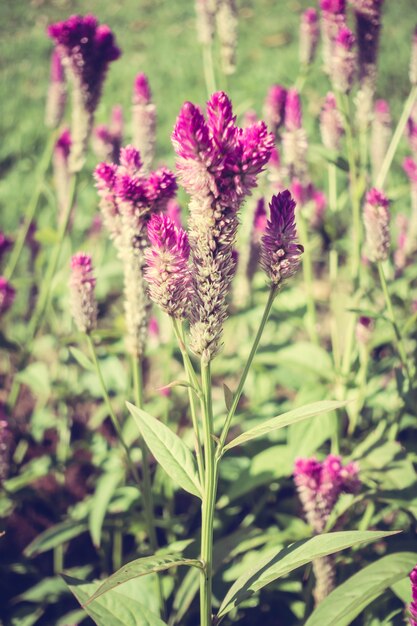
(391, 315)
(43, 300)
(399, 131)
(192, 379)
(209, 500)
(209, 69)
(332, 176)
(308, 279)
(273, 292)
(148, 505)
(111, 413)
(31, 208)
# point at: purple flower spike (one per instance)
(274, 107)
(168, 272)
(86, 50)
(7, 295)
(141, 90)
(413, 606)
(82, 285)
(144, 120)
(280, 252)
(331, 123)
(173, 210)
(376, 217)
(60, 160)
(293, 114)
(332, 19)
(57, 93)
(309, 36)
(130, 160)
(343, 65)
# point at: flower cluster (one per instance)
(343, 63)
(376, 217)
(332, 19)
(143, 120)
(413, 606)
(86, 49)
(280, 252)
(368, 25)
(7, 295)
(128, 198)
(218, 164)
(309, 36)
(331, 123)
(82, 286)
(167, 271)
(57, 93)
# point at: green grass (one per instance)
(158, 37)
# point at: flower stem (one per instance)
(31, 208)
(209, 69)
(399, 131)
(192, 379)
(391, 315)
(238, 393)
(209, 500)
(308, 279)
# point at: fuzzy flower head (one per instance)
(309, 36)
(274, 107)
(141, 90)
(280, 252)
(319, 485)
(144, 120)
(331, 123)
(82, 285)
(7, 295)
(86, 49)
(343, 64)
(57, 93)
(167, 272)
(293, 113)
(376, 217)
(413, 606)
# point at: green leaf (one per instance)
(106, 486)
(168, 449)
(142, 567)
(81, 359)
(346, 602)
(114, 608)
(228, 397)
(291, 417)
(36, 376)
(55, 536)
(274, 565)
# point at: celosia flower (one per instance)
(331, 123)
(174, 212)
(343, 65)
(332, 19)
(143, 120)
(294, 138)
(274, 107)
(61, 170)
(5, 244)
(7, 295)
(226, 24)
(86, 50)
(82, 286)
(309, 36)
(280, 252)
(413, 60)
(127, 200)
(413, 606)
(57, 93)
(381, 135)
(205, 14)
(376, 217)
(107, 139)
(168, 273)
(218, 164)
(368, 25)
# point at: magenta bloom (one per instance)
(57, 93)
(144, 120)
(141, 90)
(294, 140)
(332, 19)
(274, 107)
(218, 164)
(60, 161)
(413, 606)
(173, 211)
(280, 252)
(368, 26)
(168, 272)
(376, 217)
(107, 139)
(309, 36)
(87, 49)
(7, 295)
(82, 285)
(331, 123)
(343, 64)
(293, 114)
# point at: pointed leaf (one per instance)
(106, 486)
(114, 608)
(168, 449)
(55, 536)
(228, 397)
(81, 359)
(274, 565)
(346, 602)
(142, 567)
(291, 417)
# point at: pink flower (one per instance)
(144, 120)
(343, 65)
(309, 36)
(82, 285)
(57, 93)
(331, 123)
(274, 107)
(376, 217)
(413, 606)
